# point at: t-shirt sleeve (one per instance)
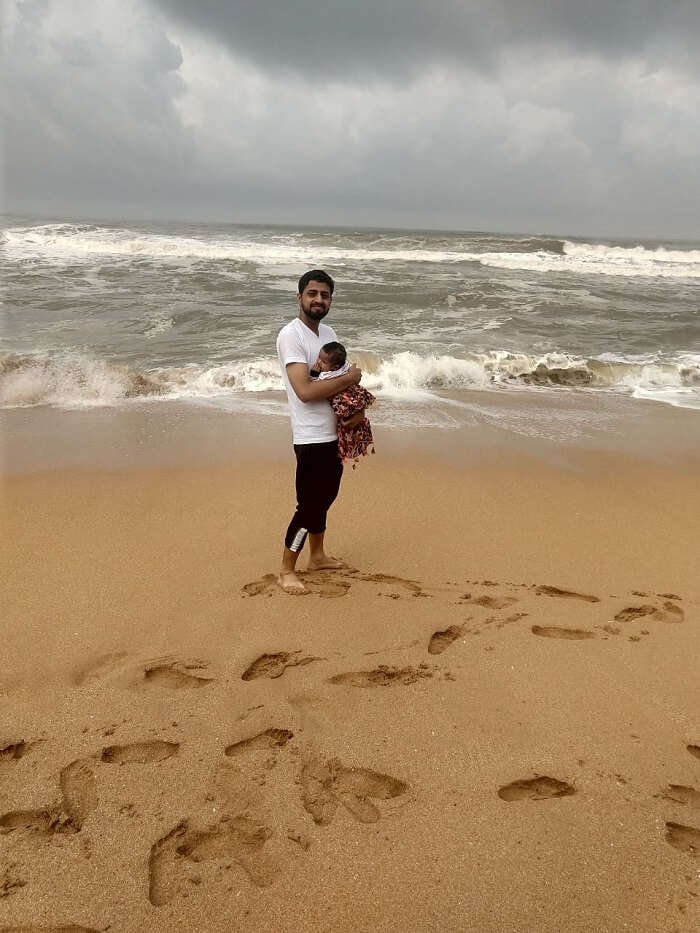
(290, 349)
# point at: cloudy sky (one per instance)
(562, 116)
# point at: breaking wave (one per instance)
(598, 259)
(67, 243)
(78, 381)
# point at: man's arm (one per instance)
(308, 390)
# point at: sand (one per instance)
(489, 724)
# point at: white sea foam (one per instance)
(409, 374)
(159, 325)
(71, 243)
(79, 243)
(597, 259)
(74, 380)
(678, 397)
(495, 324)
(68, 382)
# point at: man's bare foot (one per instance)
(326, 562)
(290, 583)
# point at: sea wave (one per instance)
(78, 381)
(599, 259)
(78, 243)
(81, 243)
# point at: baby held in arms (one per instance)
(355, 442)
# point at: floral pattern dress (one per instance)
(356, 442)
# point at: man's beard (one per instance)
(316, 314)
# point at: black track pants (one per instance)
(319, 469)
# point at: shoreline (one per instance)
(485, 427)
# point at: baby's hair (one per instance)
(335, 352)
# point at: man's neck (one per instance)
(309, 322)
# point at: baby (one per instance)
(353, 443)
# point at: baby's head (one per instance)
(331, 357)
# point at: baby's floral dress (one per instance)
(356, 442)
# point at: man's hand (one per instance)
(353, 420)
(310, 390)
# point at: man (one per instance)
(319, 468)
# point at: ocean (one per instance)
(104, 315)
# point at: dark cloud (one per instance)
(86, 115)
(385, 38)
(121, 110)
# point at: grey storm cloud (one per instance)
(85, 115)
(536, 116)
(395, 37)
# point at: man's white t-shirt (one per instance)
(312, 422)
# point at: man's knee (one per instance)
(316, 522)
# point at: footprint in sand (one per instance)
(509, 620)
(12, 752)
(552, 631)
(544, 590)
(332, 584)
(684, 838)
(269, 739)
(176, 675)
(43, 822)
(694, 750)
(330, 590)
(239, 781)
(324, 786)
(11, 880)
(166, 871)
(170, 673)
(79, 799)
(668, 612)
(71, 928)
(411, 587)
(141, 753)
(326, 584)
(265, 586)
(491, 602)
(382, 676)
(634, 612)
(439, 641)
(240, 840)
(79, 790)
(679, 793)
(274, 665)
(537, 788)
(100, 668)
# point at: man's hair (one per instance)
(316, 275)
(335, 352)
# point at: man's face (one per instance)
(315, 300)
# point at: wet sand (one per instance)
(488, 724)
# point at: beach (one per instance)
(488, 723)
(453, 685)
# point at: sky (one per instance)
(538, 116)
